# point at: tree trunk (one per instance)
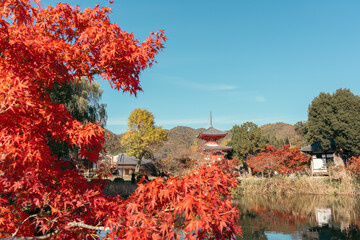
(137, 167)
(249, 169)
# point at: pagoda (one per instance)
(212, 150)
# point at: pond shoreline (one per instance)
(287, 186)
(298, 217)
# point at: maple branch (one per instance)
(5, 100)
(32, 238)
(20, 223)
(71, 224)
(2, 108)
(25, 238)
(83, 225)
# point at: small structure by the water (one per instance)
(322, 158)
(212, 150)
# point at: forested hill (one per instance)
(280, 130)
(181, 138)
(113, 143)
(278, 134)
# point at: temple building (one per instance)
(212, 150)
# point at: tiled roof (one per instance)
(212, 131)
(129, 160)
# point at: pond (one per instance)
(299, 217)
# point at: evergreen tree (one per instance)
(335, 117)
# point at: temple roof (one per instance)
(129, 160)
(212, 132)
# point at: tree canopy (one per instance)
(142, 137)
(246, 140)
(42, 196)
(335, 117)
(282, 160)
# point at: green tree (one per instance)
(246, 140)
(142, 137)
(335, 117)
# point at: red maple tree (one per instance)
(228, 166)
(42, 196)
(282, 160)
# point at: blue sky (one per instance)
(246, 60)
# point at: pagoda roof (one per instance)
(211, 132)
(217, 147)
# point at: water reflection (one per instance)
(299, 217)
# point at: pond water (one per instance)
(314, 217)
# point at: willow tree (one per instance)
(82, 100)
(142, 137)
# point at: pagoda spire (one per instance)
(211, 119)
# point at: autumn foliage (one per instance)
(282, 160)
(228, 166)
(198, 204)
(354, 166)
(43, 196)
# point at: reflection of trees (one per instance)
(291, 215)
(324, 233)
(249, 223)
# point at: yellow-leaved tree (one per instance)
(142, 137)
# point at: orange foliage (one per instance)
(228, 166)
(192, 204)
(41, 195)
(285, 160)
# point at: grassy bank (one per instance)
(285, 186)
